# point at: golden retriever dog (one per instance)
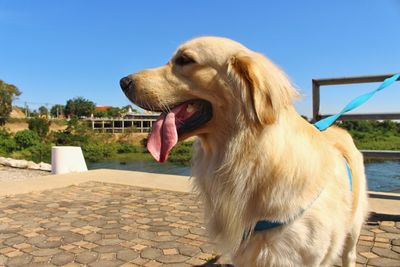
(255, 159)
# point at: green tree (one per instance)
(7, 142)
(39, 126)
(34, 113)
(100, 113)
(43, 111)
(26, 138)
(8, 93)
(57, 110)
(114, 112)
(79, 107)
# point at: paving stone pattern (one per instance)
(97, 224)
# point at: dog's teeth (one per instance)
(189, 108)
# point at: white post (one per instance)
(66, 159)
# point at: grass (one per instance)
(133, 157)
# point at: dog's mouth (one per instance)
(182, 119)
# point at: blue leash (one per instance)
(322, 125)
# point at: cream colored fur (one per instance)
(257, 159)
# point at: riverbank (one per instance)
(16, 174)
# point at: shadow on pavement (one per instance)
(376, 217)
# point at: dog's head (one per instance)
(211, 86)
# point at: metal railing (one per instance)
(317, 83)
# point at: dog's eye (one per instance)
(183, 60)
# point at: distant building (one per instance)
(103, 108)
(136, 115)
(129, 114)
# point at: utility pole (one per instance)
(47, 110)
(26, 110)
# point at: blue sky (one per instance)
(56, 50)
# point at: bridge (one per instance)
(135, 122)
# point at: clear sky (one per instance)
(57, 50)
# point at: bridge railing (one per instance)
(316, 85)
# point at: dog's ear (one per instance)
(260, 84)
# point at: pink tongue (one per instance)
(164, 135)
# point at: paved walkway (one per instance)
(104, 224)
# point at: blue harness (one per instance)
(322, 125)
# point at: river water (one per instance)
(382, 176)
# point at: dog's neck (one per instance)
(256, 174)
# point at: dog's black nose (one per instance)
(126, 84)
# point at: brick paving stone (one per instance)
(389, 235)
(386, 253)
(50, 244)
(166, 244)
(99, 224)
(128, 235)
(172, 258)
(106, 263)
(170, 251)
(361, 259)
(105, 242)
(14, 254)
(3, 259)
(365, 243)
(153, 263)
(86, 257)
(21, 260)
(41, 259)
(129, 264)
(382, 245)
(390, 229)
(140, 261)
(127, 255)
(189, 250)
(108, 248)
(177, 265)
(108, 256)
(179, 232)
(71, 237)
(14, 241)
(396, 242)
(63, 258)
(387, 223)
(46, 252)
(383, 262)
(366, 238)
(150, 253)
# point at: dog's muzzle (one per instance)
(127, 85)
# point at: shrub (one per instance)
(67, 138)
(27, 138)
(37, 153)
(7, 145)
(21, 154)
(143, 142)
(123, 147)
(7, 142)
(40, 152)
(96, 152)
(4, 133)
(182, 153)
(40, 126)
